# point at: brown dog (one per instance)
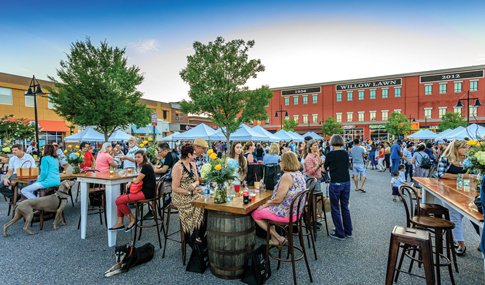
(51, 203)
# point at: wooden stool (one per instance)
(438, 226)
(182, 241)
(411, 238)
(436, 210)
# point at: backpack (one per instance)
(425, 162)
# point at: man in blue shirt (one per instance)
(396, 154)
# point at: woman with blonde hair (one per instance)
(248, 151)
(274, 154)
(449, 167)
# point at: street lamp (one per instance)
(459, 105)
(34, 89)
(281, 111)
(413, 121)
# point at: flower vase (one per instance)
(76, 169)
(479, 180)
(220, 195)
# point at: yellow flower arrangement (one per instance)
(65, 151)
(217, 167)
(147, 135)
(141, 145)
(145, 142)
(77, 146)
(150, 139)
(77, 154)
(210, 151)
(213, 156)
(69, 146)
(472, 142)
(8, 141)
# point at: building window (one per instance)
(295, 117)
(305, 119)
(457, 110)
(349, 96)
(315, 98)
(267, 121)
(442, 112)
(427, 113)
(29, 101)
(457, 87)
(443, 88)
(350, 117)
(165, 115)
(473, 85)
(373, 94)
(339, 117)
(428, 89)
(315, 119)
(295, 100)
(305, 99)
(50, 105)
(6, 96)
(287, 100)
(385, 115)
(339, 97)
(397, 92)
(398, 111)
(385, 93)
(361, 95)
(372, 115)
(361, 117)
(473, 111)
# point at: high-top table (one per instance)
(112, 184)
(231, 233)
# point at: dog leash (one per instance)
(60, 199)
(131, 250)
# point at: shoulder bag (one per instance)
(425, 162)
(27, 173)
(255, 267)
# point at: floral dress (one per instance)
(190, 216)
(283, 209)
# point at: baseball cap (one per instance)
(201, 142)
(441, 141)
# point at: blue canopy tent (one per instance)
(145, 130)
(88, 135)
(473, 132)
(423, 135)
(297, 135)
(452, 133)
(119, 136)
(170, 137)
(443, 134)
(285, 136)
(313, 135)
(200, 131)
(271, 137)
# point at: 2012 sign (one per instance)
(452, 76)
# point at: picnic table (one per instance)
(231, 233)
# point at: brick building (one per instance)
(363, 105)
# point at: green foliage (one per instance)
(225, 172)
(74, 155)
(289, 124)
(98, 89)
(18, 129)
(397, 124)
(217, 74)
(331, 127)
(451, 121)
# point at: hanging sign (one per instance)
(451, 76)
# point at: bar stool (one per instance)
(152, 204)
(439, 226)
(410, 239)
(297, 204)
(97, 201)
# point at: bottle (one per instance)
(207, 194)
(246, 196)
(232, 190)
(459, 182)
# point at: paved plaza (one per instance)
(61, 257)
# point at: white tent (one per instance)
(271, 137)
(244, 133)
(119, 135)
(88, 135)
(170, 137)
(443, 134)
(283, 135)
(473, 131)
(201, 131)
(423, 135)
(297, 135)
(452, 133)
(313, 135)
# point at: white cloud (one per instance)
(145, 45)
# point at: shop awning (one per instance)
(53, 126)
(146, 130)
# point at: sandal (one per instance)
(362, 190)
(279, 246)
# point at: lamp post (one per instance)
(409, 120)
(477, 104)
(34, 89)
(281, 111)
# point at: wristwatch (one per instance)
(189, 192)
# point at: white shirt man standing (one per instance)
(129, 158)
(16, 161)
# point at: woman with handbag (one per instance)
(142, 187)
(49, 173)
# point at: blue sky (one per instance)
(299, 42)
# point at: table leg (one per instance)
(112, 192)
(15, 195)
(84, 208)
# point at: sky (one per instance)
(299, 42)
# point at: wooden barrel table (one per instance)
(231, 239)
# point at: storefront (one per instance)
(378, 132)
(351, 132)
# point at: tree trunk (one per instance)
(105, 137)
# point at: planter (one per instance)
(76, 169)
(220, 195)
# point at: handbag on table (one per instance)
(27, 173)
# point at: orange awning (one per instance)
(53, 126)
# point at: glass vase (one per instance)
(479, 180)
(76, 169)
(220, 195)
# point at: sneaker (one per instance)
(148, 216)
(333, 235)
(349, 236)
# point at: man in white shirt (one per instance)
(129, 158)
(61, 157)
(20, 159)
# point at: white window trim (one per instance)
(349, 113)
(457, 81)
(400, 86)
(458, 107)
(442, 107)
(386, 88)
(361, 90)
(384, 110)
(430, 84)
(473, 80)
(443, 83)
(360, 112)
(338, 113)
(373, 89)
(397, 110)
(428, 108)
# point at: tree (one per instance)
(98, 89)
(451, 121)
(217, 74)
(14, 129)
(331, 127)
(397, 124)
(289, 124)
